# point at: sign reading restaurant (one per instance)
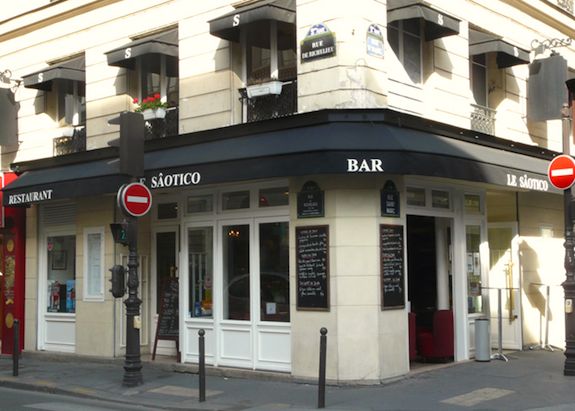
(30, 197)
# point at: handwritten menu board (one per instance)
(168, 316)
(312, 255)
(392, 273)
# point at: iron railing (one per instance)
(483, 119)
(71, 144)
(272, 105)
(163, 127)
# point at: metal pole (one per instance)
(133, 363)
(16, 347)
(569, 262)
(499, 355)
(202, 365)
(548, 294)
(322, 358)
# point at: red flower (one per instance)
(135, 100)
(157, 95)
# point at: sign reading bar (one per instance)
(392, 273)
(168, 316)
(312, 259)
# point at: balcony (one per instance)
(163, 127)
(74, 143)
(483, 119)
(268, 106)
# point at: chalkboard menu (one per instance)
(312, 257)
(392, 273)
(168, 316)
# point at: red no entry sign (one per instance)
(561, 171)
(135, 199)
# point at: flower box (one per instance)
(151, 114)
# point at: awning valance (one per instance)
(319, 148)
(68, 181)
(507, 54)
(148, 50)
(71, 70)
(436, 23)
(229, 25)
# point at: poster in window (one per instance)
(59, 260)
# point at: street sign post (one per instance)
(561, 172)
(135, 199)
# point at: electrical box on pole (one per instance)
(118, 281)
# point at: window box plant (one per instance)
(151, 107)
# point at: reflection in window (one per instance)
(440, 199)
(201, 271)
(62, 274)
(236, 200)
(404, 37)
(165, 262)
(472, 203)
(473, 264)
(272, 197)
(274, 272)
(236, 272)
(167, 211)
(200, 204)
(416, 196)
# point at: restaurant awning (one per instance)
(229, 25)
(231, 155)
(437, 24)
(507, 54)
(148, 49)
(71, 70)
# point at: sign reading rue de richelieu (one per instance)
(319, 43)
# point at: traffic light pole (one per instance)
(133, 363)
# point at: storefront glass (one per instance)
(236, 272)
(274, 272)
(62, 274)
(200, 241)
(473, 264)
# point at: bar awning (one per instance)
(436, 23)
(68, 181)
(229, 25)
(71, 70)
(248, 152)
(507, 54)
(148, 49)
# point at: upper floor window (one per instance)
(153, 62)
(405, 40)
(64, 84)
(409, 25)
(479, 79)
(266, 33)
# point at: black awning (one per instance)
(69, 181)
(72, 70)
(436, 23)
(228, 26)
(148, 49)
(324, 149)
(507, 54)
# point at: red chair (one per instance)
(437, 344)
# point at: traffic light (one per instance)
(118, 281)
(120, 233)
(132, 130)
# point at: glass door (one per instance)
(165, 268)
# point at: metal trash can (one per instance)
(482, 340)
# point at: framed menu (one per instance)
(391, 266)
(312, 266)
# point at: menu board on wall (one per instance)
(312, 258)
(392, 272)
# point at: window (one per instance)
(473, 264)
(274, 272)
(440, 199)
(472, 203)
(167, 211)
(405, 39)
(272, 197)
(61, 274)
(200, 243)
(416, 196)
(200, 204)
(236, 200)
(479, 79)
(94, 264)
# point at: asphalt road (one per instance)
(18, 400)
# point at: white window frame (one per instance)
(98, 296)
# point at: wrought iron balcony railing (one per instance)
(71, 144)
(163, 127)
(483, 119)
(271, 105)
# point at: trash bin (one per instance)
(482, 340)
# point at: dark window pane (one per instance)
(271, 197)
(201, 271)
(167, 210)
(236, 200)
(236, 272)
(165, 262)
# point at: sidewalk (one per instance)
(531, 380)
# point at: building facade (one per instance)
(376, 167)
